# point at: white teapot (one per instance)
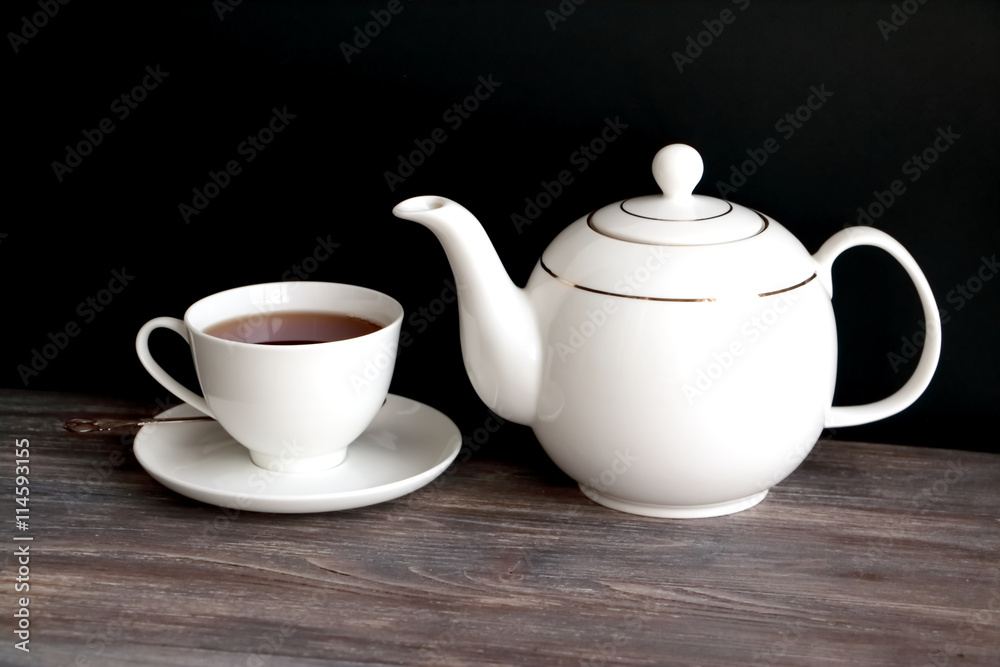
(675, 354)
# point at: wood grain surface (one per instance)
(866, 555)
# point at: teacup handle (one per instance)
(852, 415)
(160, 375)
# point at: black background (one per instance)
(323, 177)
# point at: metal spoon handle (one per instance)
(90, 425)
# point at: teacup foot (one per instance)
(280, 464)
(673, 511)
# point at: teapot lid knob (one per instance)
(677, 216)
(678, 168)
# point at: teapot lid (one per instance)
(677, 217)
(678, 246)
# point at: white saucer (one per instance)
(405, 447)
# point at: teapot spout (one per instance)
(501, 344)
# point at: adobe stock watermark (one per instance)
(363, 34)
(421, 319)
(695, 45)
(223, 7)
(249, 149)
(562, 12)
(959, 296)
(916, 166)
(265, 311)
(914, 169)
(580, 160)
(115, 630)
(309, 264)
(724, 360)
(793, 457)
(31, 24)
(270, 642)
(596, 318)
(973, 623)
(382, 361)
(471, 444)
(528, 555)
(87, 310)
(882, 549)
(258, 480)
(791, 635)
(429, 653)
(965, 292)
(898, 17)
(786, 125)
(607, 650)
(266, 316)
(579, 334)
(454, 117)
(121, 107)
(620, 464)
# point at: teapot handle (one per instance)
(852, 415)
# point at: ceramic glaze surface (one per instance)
(725, 400)
(771, 260)
(407, 445)
(673, 366)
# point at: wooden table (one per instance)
(866, 555)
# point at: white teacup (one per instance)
(296, 407)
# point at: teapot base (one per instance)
(673, 511)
